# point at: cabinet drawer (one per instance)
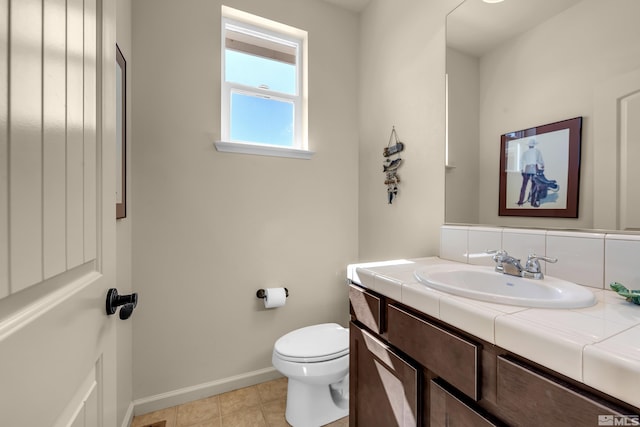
(449, 356)
(447, 409)
(366, 308)
(533, 398)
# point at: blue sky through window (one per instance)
(257, 119)
(261, 119)
(254, 71)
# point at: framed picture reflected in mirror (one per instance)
(540, 170)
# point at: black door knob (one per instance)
(128, 303)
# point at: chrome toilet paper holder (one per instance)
(261, 293)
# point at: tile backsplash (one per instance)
(590, 259)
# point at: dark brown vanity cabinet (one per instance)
(532, 398)
(408, 369)
(385, 385)
(449, 409)
(366, 307)
(438, 350)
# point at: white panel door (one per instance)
(630, 159)
(25, 145)
(616, 131)
(4, 149)
(57, 213)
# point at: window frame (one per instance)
(278, 34)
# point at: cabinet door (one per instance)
(383, 386)
(447, 410)
(531, 398)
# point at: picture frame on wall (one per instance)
(540, 170)
(121, 135)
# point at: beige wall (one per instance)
(402, 62)
(212, 228)
(462, 177)
(123, 228)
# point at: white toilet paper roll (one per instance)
(274, 297)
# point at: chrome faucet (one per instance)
(507, 264)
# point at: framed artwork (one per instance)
(540, 170)
(121, 135)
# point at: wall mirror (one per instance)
(524, 63)
(121, 135)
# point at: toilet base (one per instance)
(314, 405)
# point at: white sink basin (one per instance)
(485, 284)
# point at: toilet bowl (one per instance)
(315, 359)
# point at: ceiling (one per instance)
(476, 27)
(355, 5)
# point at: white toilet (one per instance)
(316, 361)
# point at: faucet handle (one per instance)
(534, 257)
(533, 264)
(498, 254)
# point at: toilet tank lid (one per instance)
(314, 341)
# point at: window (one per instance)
(263, 82)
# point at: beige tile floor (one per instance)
(262, 405)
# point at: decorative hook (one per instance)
(390, 167)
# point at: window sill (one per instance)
(263, 150)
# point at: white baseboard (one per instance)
(128, 416)
(200, 391)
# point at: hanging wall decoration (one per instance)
(391, 165)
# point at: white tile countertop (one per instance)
(598, 346)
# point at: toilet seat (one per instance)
(317, 343)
